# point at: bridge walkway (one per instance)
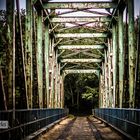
(81, 128)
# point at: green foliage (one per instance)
(84, 84)
(90, 93)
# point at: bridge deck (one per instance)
(81, 128)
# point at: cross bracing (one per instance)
(99, 27)
(73, 37)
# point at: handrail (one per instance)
(29, 121)
(126, 120)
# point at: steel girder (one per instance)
(81, 60)
(82, 71)
(81, 35)
(69, 47)
(80, 19)
(78, 5)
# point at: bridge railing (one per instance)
(28, 121)
(125, 120)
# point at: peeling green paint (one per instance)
(81, 60)
(131, 53)
(80, 19)
(46, 55)
(69, 47)
(121, 57)
(81, 35)
(115, 50)
(28, 51)
(39, 57)
(78, 5)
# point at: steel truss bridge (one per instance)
(57, 40)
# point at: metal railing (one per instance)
(126, 120)
(28, 121)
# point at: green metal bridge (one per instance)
(49, 45)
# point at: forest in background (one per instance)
(81, 92)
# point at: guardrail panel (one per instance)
(127, 120)
(28, 121)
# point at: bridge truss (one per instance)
(58, 41)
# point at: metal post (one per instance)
(137, 65)
(115, 47)
(106, 79)
(62, 91)
(121, 57)
(102, 87)
(131, 53)
(46, 60)
(51, 68)
(110, 70)
(56, 80)
(100, 91)
(53, 74)
(28, 51)
(39, 59)
(59, 92)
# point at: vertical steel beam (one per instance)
(131, 52)
(46, 55)
(51, 68)
(104, 95)
(102, 85)
(100, 91)
(39, 59)
(136, 85)
(115, 47)
(53, 74)
(28, 51)
(101, 88)
(106, 80)
(110, 71)
(121, 57)
(59, 95)
(56, 80)
(50, 81)
(10, 54)
(62, 91)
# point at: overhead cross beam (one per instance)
(69, 47)
(77, 5)
(81, 60)
(81, 71)
(74, 71)
(80, 19)
(80, 35)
